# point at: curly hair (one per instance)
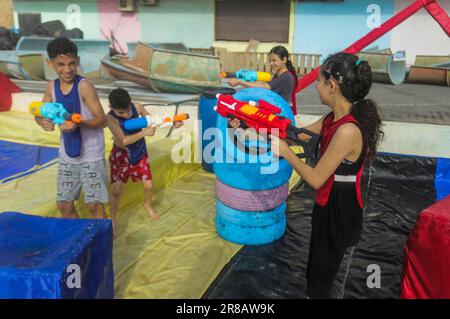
(355, 80)
(61, 46)
(119, 99)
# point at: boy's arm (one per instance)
(122, 140)
(46, 124)
(90, 97)
(140, 108)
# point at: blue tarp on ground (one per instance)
(42, 257)
(16, 158)
(442, 178)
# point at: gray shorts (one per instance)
(90, 176)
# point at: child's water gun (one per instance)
(248, 75)
(151, 120)
(262, 116)
(55, 112)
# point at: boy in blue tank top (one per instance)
(128, 158)
(81, 162)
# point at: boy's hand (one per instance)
(149, 131)
(67, 127)
(234, 82)
(234, 123)
(46, 124)
(178, 124)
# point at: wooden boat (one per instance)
(171, 46)
(90, 51)
(165, 70)
(430, 75)
(10, 66)
(33, 65)
(119, 68)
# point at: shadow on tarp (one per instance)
(397, 188)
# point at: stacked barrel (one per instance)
(251, 196)
(207, 119)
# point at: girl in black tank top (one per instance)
(353, 126)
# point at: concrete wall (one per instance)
(314, 27)
(330, 27)
(420, 34)
(187, 21)
(327, 28)
(406, 138)
(82, 14)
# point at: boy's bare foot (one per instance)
(152, 212)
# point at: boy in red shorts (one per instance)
(128, 158)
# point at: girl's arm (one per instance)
(346, 141)
(315, 127)
(122, 140)
(234, 82)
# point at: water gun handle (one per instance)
(310, 147)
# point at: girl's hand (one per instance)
(234, 82)
(149, 131)
(279, 147)
(178, 124)
(234, 123)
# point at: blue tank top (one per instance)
(138, 148)
(71, 102)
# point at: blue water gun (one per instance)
(247, 75)
(151, 120)
(55, 112)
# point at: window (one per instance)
(262, 20)
(28, 22)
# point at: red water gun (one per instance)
(262, 116)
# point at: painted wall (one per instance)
(118, 27)
(420, 34)
(327, 28)
(82, 14)
(187, 21)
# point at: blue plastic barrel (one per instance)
(208, 117)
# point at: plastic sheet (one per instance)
(442, 180)
(42, 257)
(400, 188)
(19, 159)
(176, 257)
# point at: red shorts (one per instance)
(121, 169)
